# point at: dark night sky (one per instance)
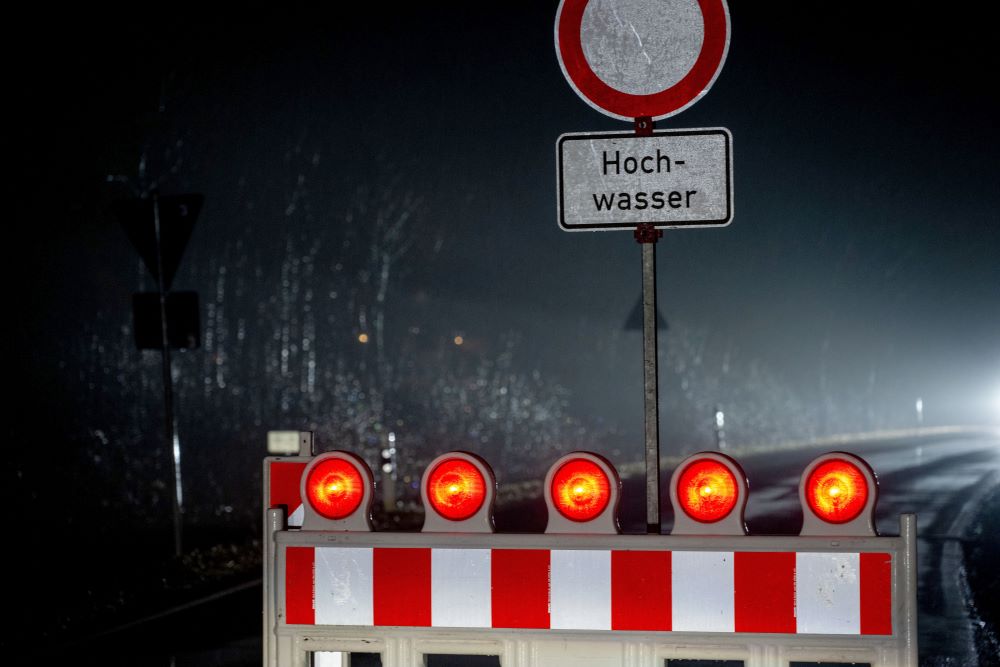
(865, 240)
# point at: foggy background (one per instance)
(391, 175)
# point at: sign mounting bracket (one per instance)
(644, 126)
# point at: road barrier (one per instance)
(581, 593)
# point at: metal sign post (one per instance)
(161, 245)
(168, 387)
(647, 236)
(641, 61)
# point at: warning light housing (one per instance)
(337, 488)
(707, 491)
(458, 490)
(709, 494)
(582, 491)
(838, 493)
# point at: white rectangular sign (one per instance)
(283, 443)
(672, 178)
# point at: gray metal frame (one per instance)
(275, 520)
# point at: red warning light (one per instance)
(837, 491)
(707, 491)
(456, 489)
(335, 488)
(581, 490)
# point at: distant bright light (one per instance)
(363, 338)
(459, 340)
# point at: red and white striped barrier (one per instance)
(830, 593)
(283, 486)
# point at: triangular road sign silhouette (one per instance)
(177, 217)
(634, 320)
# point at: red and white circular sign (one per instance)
(636, 58)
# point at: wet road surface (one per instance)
(944, 479)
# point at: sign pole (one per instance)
(168, 384)
(646, 235)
